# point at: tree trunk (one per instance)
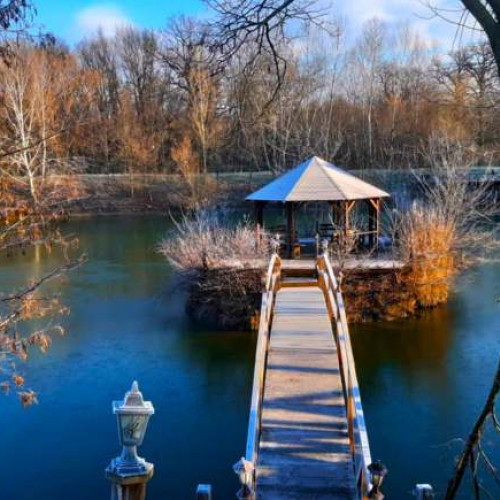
(474, 437)
(488, 22)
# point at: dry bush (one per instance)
(205, 242)
(428, 243)
(450, 228)
(222, 266)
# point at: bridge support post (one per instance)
(204, 492)
(130, 487)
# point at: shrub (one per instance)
(450, 228)
(204, 241)
(222, 267)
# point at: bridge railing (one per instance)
(358, 436)
(271, 286)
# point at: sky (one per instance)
(71, 20)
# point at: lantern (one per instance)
(132, 415)
(378, 471)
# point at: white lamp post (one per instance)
(244, 469)
(424, 492)
(129, 473)
(378, 471)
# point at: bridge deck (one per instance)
(304, 447)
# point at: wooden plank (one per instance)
(306, 264)
(355, 262)
(304, 447)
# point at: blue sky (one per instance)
(71, 20)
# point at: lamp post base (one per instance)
(245, 494)
(129, 485)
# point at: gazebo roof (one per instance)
(317, 180)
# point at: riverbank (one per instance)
(142, 193)
(157, 193)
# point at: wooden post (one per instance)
(348, 206)
(259, 221)
(373, 222)
(129, 487)
(424, 492)
(337, 214)
(204, 492)
(290, 222)
(338, 221)
(345, 219)
(259, 213)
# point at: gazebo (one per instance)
(316, 180)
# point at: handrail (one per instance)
(358, 436)
(272, 284)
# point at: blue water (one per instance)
(126, 323)
(423, 381)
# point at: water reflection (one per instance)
(409, 345)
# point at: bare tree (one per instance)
(137, 55)
(187, 164)
(474, 453)
(203, 111)
(35, 110)
(185, 46)
(260, 26)
(368, 55)
(98, 56)
(487, 14)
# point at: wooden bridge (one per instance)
(306, 436)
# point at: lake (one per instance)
(423, 381)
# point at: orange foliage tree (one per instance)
(45, 98)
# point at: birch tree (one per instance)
(44, 98)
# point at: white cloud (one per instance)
(416, 13)
(107, 18)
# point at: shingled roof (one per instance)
(317, 180)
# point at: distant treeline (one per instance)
(147, 101)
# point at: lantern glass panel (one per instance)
(132, 429)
